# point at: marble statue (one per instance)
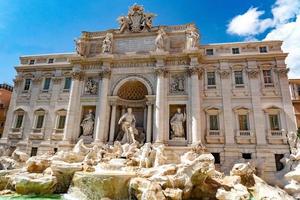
(192, 38)
(107, 43)
(177, 124)
(91, 87)
(87, 124)
(127, 122)
(83, 45)
(160, 41)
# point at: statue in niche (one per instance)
(160, 40)
(91, 87)
(177, 124)
(127, 122)
(87, 124)
(192, 37)
(177, 84)
(107, 43)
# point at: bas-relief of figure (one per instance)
(127, 122)
(177, 124)
(177, 84)
(160, 41)
(192, 38)
(107, 43)
(87, 124)
(91, 87)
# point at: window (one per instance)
(238, 77)
(33, 151)
(263, 49)
(39, 121)
(19, 121)
(217, 158)
(213, 122)
(211, 79)
(243, 122)
(298, 90)
(274, 122)
(279, 165)
(247, 156)
(47, 82)
(51, 60)
(267, 77)
(235, 51)
(68, 82)
(27, 84)
(61, 122)
(31, 62)
(209, 52)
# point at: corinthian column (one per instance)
(112, 122)
(73, 106)
(194, 72)
(159, 104)
(102, 107)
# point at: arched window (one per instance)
(60, 120)
(19, 116)
(39, 120)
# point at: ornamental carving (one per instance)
(107, 43)
(136, 21)
(57, 79)
(224, 73)
(282, 72)
(160, 71)
(37, 79)
(253, 73)
(177, 83)
(83, 45)
(192, 37)
(105, 73)
(91, 87)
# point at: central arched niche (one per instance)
(132, 90)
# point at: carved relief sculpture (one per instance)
(136, 20)
(160, 41)
(192, 38)
(87, 124)
(177, 124)
(91, 87)
(177, 84)
(107, 43)
(83, 45)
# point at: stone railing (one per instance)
(57, 134)
(16, 133)
(277, 136)
(214, 137)
(245, 137)
(37, 134)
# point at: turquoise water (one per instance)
(35, 197)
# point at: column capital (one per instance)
(161, 71)
(282, 72)
(224, 73)
(253, 73)
(37, 79)
(194, 70)
(57, 79)
(105, 73)
(77, 75)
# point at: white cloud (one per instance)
(284, 25)
(249, 23)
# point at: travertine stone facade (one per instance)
(235, 96)
(5, 95)
(295, 94)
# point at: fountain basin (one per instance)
(97, 185)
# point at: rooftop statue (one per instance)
(136, 21)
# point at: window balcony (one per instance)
(214, 137)
(57, 134)
(37, 134)
(277, 137)
(15, 133)
(245, 137)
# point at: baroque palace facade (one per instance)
(233, 98)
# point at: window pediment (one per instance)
(212, 110)
(241, 110)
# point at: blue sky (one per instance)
(50, 26)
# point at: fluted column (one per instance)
(102, 108)
(112, 122)
(194, 72)
(73, 106)
(159, 105)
